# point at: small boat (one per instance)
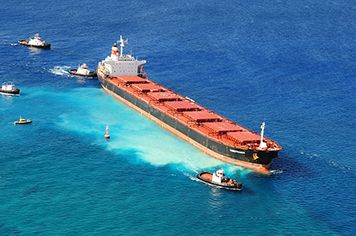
(219, 180)
(107, 135)
(35, 41)
(22, 121)
(9, 88)
(82, 71)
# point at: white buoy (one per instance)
(107, 135)
(262, 144)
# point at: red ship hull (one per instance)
(192, 122)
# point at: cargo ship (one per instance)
(122, 76)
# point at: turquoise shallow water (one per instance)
(64, 178)
(290, 64)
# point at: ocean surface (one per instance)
(289, 63)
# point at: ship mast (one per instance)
(262, 144)
(122, 45)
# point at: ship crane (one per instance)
(122, 45)
(262, 143)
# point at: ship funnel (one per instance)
(262, 144)
(114, 52)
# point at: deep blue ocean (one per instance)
(289, 63)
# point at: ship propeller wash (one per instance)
(122, 76)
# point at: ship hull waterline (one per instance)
(25, 43)
(256, 167)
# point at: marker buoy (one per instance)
(107, 135)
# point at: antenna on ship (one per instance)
(122, 45)
(262, 144)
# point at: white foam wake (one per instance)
(60, 70)
(131, 131)
(276, 172)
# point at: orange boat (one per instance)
(123, 77)
(219, 180)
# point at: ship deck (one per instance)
(189, 113)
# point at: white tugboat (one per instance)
(83, 71)
(35, 41)
(219, 180)
(9, 88)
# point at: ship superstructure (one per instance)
(36, 40)
(119, 64)
(122, 76)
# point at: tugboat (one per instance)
(35, 41)
(9, 88)
(22, 121)
(82, 71)
(219, 180)
(107, 135)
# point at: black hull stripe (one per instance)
(264, 157)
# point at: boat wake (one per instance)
(13, 44)
(190, 176)
(276, 172)
(60, 70)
